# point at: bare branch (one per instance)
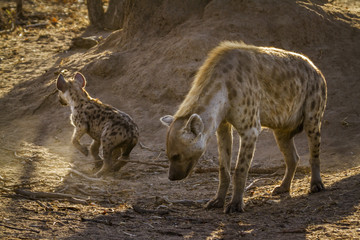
(47, 195)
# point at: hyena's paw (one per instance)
(317, 187)
(98, 164)
(84, 151)
(280, 190)
(234, 207)
(118, 165)
(215, 203)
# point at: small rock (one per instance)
(84, 42)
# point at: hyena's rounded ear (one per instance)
(61, 83)
(167, 120)
(80, 79)
(195, 124)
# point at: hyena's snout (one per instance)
(180, 171)
(176, 175)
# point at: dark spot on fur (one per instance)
(200, 109)
(261, 68)
(228, 151)
(276, 95)
(249, 156)
(113, 133)
(242, 169)
(313, 105)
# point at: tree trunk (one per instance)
(111, 19)
(96, 12)
(114, 16)
(19, 9)
(135, 15)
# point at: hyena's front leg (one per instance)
(78, 133)
(224, 138)
(246, 152)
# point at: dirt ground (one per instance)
(145, 69)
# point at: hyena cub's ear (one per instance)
(167, 120)
(61, 83)
(80, 79)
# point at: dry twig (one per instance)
(147, 211)
(271, 170)
(47, 195)
(256, 181)
(142, 146)
(20, 229)
(86, 177)
(146, 163)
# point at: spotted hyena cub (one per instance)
(114, 133)
(247, 87)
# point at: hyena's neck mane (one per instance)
(205, 77)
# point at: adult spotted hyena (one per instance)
(114, 133)
(248, 87)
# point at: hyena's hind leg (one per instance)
(123, 154)
(105, 154)
(314, 110)
(94, 150)
(285, 141)
(312, 128)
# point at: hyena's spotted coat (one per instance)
(114, 133)
(248, 87)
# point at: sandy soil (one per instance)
(145, 70)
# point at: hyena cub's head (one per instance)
(184, 144)
(68, 89)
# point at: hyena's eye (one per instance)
(175, 157)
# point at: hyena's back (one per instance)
(286, 87)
